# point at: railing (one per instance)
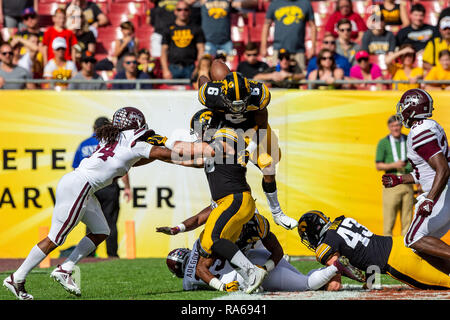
(139, 82)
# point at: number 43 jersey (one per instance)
(354, 241)
(113, 161)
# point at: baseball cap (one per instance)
(88, 57)
(361, 54)
(59, 42)
(445, 22)
(283, 53)
(28, 12)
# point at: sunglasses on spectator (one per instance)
(29, 16)
(329, 42)
(327, 58)
(182, 9)
(131, 62)
(9, 53)
(345, 30)
(363, 59)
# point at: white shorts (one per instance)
(435, 225)
(75, 202)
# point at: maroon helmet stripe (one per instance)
(82, 194)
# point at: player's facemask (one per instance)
(237, 106)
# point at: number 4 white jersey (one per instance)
(426, 139)
(114, 161)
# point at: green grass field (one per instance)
(139, 279)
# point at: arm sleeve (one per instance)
(381, 152)
(142, 149)
(324, 252)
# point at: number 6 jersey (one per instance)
(354, 241)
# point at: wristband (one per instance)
(251, 147)
(181, 227)
(269, 265)
(169, 143)
(217, 284)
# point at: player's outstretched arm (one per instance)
(202, 271)
(189, 224)
(273, 245)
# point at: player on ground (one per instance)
(122, 146)
(428, 152)
(197, 272)
(367, 251)
(242, 104)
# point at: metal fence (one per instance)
(139, 82)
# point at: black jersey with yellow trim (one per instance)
(354, 241)
(258, 228)
(210, 95)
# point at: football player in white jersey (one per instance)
(429, 155)
(122, 145)
(262, 248)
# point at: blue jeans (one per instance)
(180, 72)
(212, 48)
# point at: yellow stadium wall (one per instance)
(328, 141)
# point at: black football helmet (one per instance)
(235, 92)
(311, 228)
(129, 118)
(200, 122)
(176, 261)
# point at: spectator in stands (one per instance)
(436, 45)
(440, 72)
(87, 72)
(365, 70)
(417, 33)
(73, 16)
(130, 72)
(251, 65)
(58, 30)
(31, 21)
(285, 74)
(404, 69)
(11, 12)
(149, 64)
(93, 15)
(182, 45)
(290, 18)
(160, 17)
(216, 26)
(59, 67)
(329, 42)
(344, 45)
(10, 71)
(32, 60)
(85, 38)
(202, 69)
(327, 71)
(377, 40)
(394, 14)
(128, 43)
(344, 9)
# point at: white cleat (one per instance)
(256, 277)
(65, 279)
(17, 288)
(285, 221)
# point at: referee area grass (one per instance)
(138, 279)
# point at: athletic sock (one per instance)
(270, 190)
(32, 260)
(84, 247)
(318, 278)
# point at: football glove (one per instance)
(425, 207)
(264, 160)
(157, 140)
(168, 230)
(232, 286)
(243, 157)
(391, 180)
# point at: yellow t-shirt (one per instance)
(438, 73)
(399, 74)
(430, 50)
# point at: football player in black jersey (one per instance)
(367, 251)
(240, 103)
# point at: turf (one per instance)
(138, 279)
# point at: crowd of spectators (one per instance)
(392, 41)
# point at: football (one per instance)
(219, 70)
